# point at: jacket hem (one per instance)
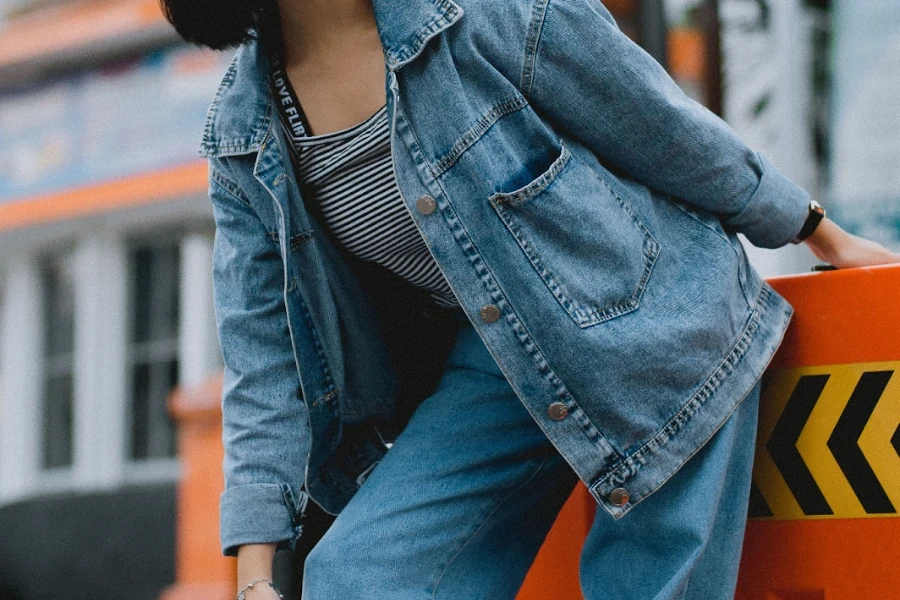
(647, 469)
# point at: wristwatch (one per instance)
(816, 214)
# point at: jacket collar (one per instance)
(242, 110)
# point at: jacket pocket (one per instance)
(587, 244)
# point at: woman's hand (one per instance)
(844, 250)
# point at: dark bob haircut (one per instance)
(216, 24)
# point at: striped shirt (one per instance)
(349, 174)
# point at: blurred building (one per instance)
(105, 301)
(815, 86)
(772, 95)
(864, 183)
(770, 74)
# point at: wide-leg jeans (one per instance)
(459, 506)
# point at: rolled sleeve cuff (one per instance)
(260, 513)
(776, 211)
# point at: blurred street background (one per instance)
(106, 238)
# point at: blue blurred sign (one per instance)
(120, 120)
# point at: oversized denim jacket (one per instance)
(578, 190)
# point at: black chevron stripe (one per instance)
(895, 441)
(843, 442)
(758, 505)
(782, 445)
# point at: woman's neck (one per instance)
(315, 28)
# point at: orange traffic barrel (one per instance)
(824, 520)
(554, 573)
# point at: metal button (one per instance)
(489, 313)
(557, 411)
(619, 496)
(425, 205)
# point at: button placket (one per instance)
(426, 204)
(489, 313)
(557, 411)
(619, 496)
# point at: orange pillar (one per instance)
(824, 515)
(202, 573)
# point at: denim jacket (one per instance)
(584, 213)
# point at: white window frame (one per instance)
(55, 476)
(101, 375)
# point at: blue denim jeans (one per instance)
(463, 500)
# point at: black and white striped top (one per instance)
(350, 177)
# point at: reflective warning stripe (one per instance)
(828, 443)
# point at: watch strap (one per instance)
(815, 216)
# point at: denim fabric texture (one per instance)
(460, 505)
(578, 191)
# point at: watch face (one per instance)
(815, 206)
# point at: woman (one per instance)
(469, 253)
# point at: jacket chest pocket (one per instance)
(589, 247)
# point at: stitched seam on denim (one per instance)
(330, 388)
(268, 130)
(498, 296)
(476, 131)
(526, 340)
(228, 186)
(211, 147)
(651, 253)
(632, 463)
(227, 79)
(435, 25)
(234, 147)
(535, 29)
(486, 519)
(536, 186)
(665, 478)
(241, 145)
(577, 312)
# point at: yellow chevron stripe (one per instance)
(780, 384)
(813, 441)
(875, 441)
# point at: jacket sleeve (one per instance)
(264, 421)
(593, 82)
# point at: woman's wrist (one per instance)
(825, 239)
(254, 561)
(259, 589)
(842, 249)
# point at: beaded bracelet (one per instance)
(242, 596)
